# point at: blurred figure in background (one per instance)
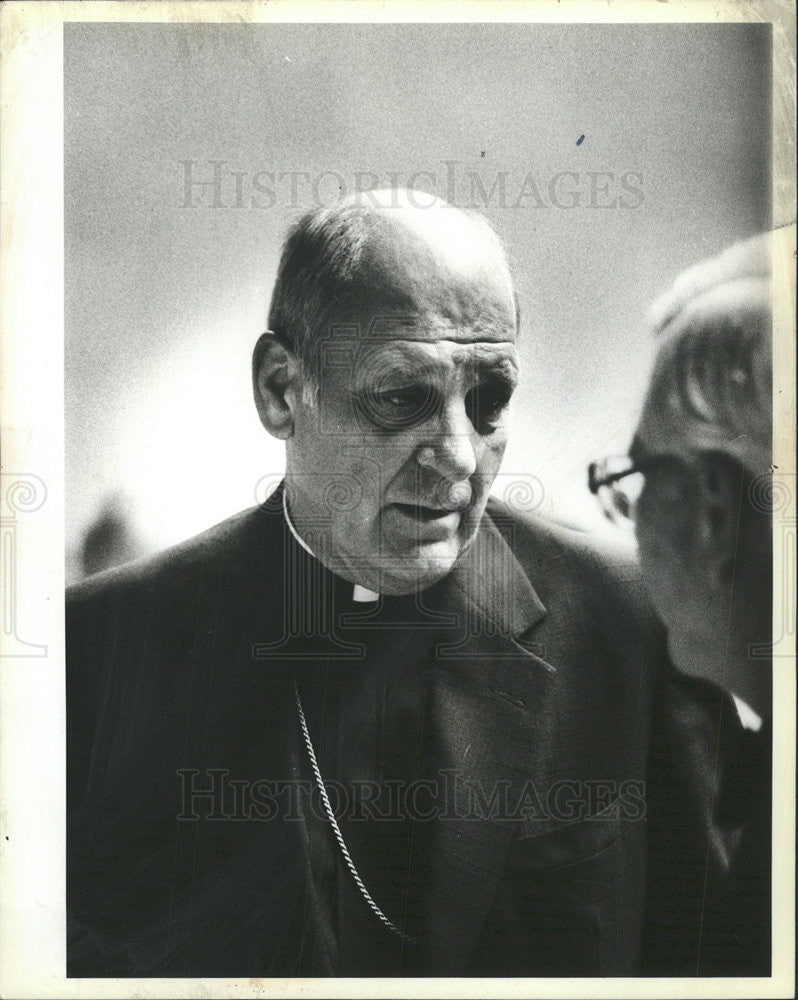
(110, 539)
(692, 480)
(705, 435)
(694, 485)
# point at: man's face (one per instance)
(665, 534)
(673, 557)
(390, 471)
(705, 553)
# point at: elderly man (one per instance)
(381, 724)
(692, 485)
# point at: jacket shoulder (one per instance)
(538, 542)
(592, 582)
(226, 547)
(140, 638)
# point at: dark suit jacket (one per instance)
(573, 777)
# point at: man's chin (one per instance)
(420, 569)
(424, 566)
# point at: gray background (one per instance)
(165, 299)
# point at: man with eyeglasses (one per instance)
(695, 487)
(381, 724)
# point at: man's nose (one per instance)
(451, 450)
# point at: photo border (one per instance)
(32, 733)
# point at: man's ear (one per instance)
(275, 377)
(720, 499)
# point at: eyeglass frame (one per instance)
(595, 482)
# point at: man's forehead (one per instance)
(422, 293)
(421, 360)
(423, 329)
(452, 349)
(382, 330)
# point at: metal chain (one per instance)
(336, 829)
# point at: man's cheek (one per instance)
(497, 443)
(364, 487)
(488, 463)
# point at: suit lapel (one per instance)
(488, 702)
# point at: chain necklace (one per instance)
(337, 830)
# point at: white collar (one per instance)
(359, 594)
(749, 719)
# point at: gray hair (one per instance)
(319, 277)
(712, 384)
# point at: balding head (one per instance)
(384, 265)
(711, 388)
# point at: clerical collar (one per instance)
(359, 594)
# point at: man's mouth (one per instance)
(420, 512)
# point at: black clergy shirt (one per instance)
(365, 722)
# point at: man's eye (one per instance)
(394, 409)
(397, 399)
(485, 405)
